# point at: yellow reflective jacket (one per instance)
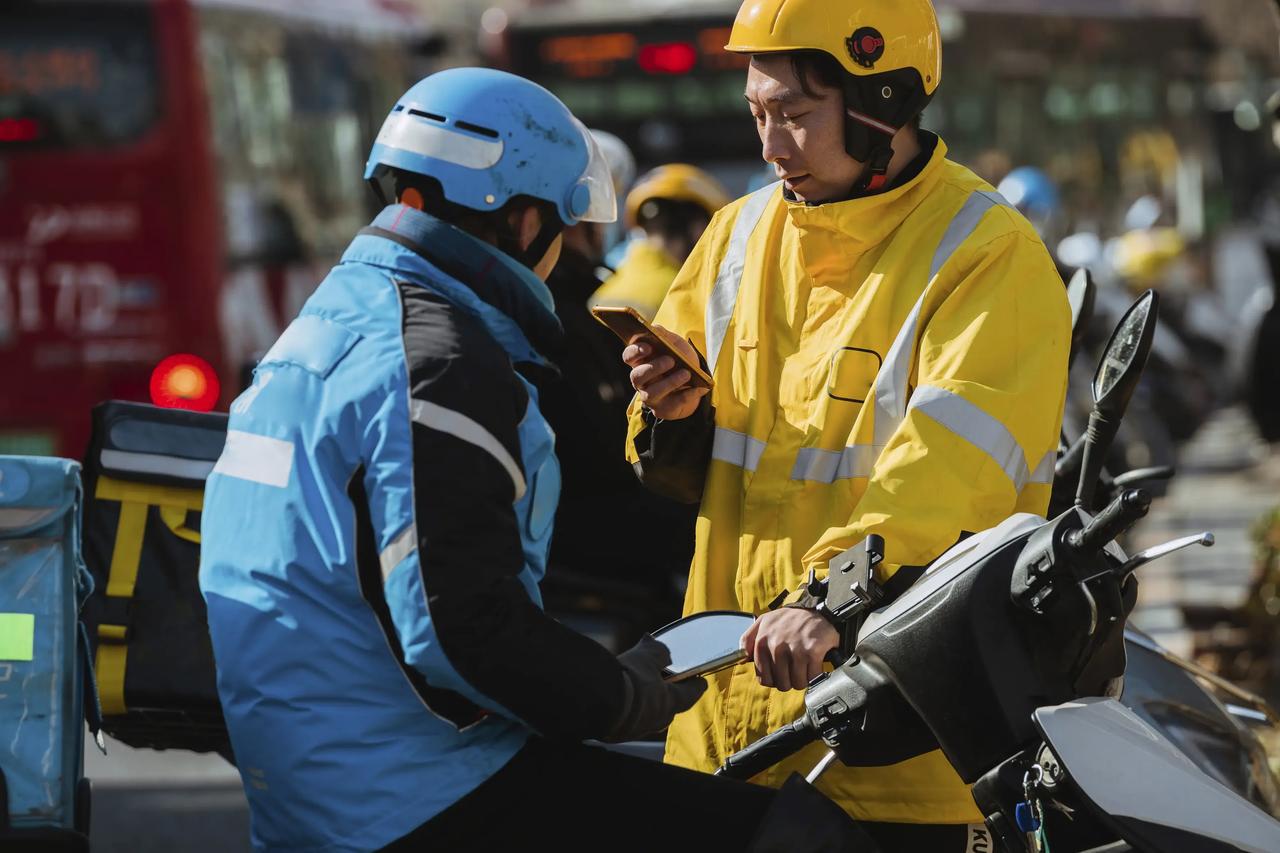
(641, 280)
(893, 364)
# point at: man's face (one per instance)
(801, 136)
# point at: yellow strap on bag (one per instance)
(122, 575)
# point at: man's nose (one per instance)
(775, 144)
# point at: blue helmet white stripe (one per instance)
(410, 134)
(488, 136)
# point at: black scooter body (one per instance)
(959, 648)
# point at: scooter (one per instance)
(1008, 654)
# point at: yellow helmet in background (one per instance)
(676, 182)
(890, 52)
(1143, 256)
(867, 37)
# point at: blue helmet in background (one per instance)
(488, 136)
(1032, 192)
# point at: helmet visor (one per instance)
(603, 204)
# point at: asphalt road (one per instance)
(148, 801)
(1227, 478)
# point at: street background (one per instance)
(177, 175)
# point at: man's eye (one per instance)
(792, 119)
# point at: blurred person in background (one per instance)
(1034, 194)
(888, 340)
(1263, 359)
(992, 165)
(671, 205)
(622, 166)
(375, 531)
(600, 496)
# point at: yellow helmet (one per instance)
(867, 37)
(890, 50)
(677, 182)
(1143, 256)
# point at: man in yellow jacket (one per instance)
(888, 341)
(671, 206)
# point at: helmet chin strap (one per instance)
(537, 250)
(875, 173)
(532, 254)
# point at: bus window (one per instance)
(76, 77)
(176, 176)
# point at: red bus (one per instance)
(175, 177)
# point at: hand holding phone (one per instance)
(666, 371)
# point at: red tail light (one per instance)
(185, 381)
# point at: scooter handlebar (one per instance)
(769, 750)
(1118, 516)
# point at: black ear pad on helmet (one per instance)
(536, 250)
(878, 106)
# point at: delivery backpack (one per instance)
(144, 488)
(46, 683)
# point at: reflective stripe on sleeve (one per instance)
(1043, 474)
(736, 448)
(827, 466)
(966, 420)
(891, 382)
(402, 546)
(256, 458)
(460, 426)
(724, 293)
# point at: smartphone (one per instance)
(704, 643)
(628, 323)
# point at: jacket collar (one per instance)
(868, 220)
(514, 304)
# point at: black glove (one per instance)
(651, 701)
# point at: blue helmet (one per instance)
(487, 136)
(1033, 193)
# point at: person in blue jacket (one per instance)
(376, 528)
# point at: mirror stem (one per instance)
(1068, 464)
(1097, 442)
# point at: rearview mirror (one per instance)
(1113, 384)
(1124, 357)
(1080, 296)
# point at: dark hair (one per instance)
(490, 225)
(811, 65)
(820, 66)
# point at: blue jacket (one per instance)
(373, 538)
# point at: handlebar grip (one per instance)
(769, 750)
(1117, 517)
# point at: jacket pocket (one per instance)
(851, 374)
(314, 343)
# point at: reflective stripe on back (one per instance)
(399, 548)
(460, 426)
(724, 293)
